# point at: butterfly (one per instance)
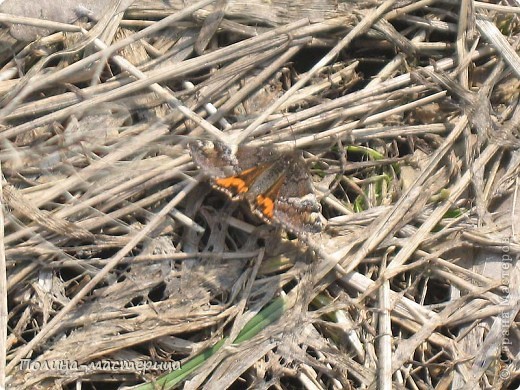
(276, 185)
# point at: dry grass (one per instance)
(116, 249)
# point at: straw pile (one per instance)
(117, 251)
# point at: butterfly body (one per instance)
(276, 185)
